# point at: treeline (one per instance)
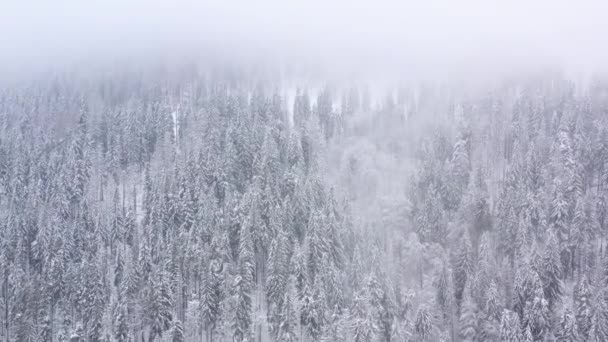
(202, 209)
(515, 202)
(195, 213)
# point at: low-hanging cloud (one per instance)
(416, 37)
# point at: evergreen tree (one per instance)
(469, 320)
(242, 288)
(364, 328)
(551, 272)
(459, 169)
(583, 307)
(177, 332)
(121, 332)
(567, 330)
(288, 320)
(528, 336)
(491, 323)
(462, 267)
(510, 330)
(423, 324)
(537, 315)
(599, 324)
(157, 304)
(211, 295)
(442, 284)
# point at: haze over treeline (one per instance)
(303, 171)
(437, 38)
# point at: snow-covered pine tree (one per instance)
(567, 330)
(550, 273)
(583, 309)
(510, 330)
(423, 324)
(463, 266)
(242, 288)
(469, 329)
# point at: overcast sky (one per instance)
(417, 36)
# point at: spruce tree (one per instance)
(567, 330)
(550, 273)
(243, 285)
(463, 261)
(177, 332)
(510, 330)
(423, 324)
(583, 307)
(469, 320)
(363, 327)
(288, 318)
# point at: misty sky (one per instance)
(413, 36)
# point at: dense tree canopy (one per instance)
(205, 208)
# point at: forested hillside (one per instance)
(217, 208)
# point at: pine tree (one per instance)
(430, 223)
(278, 268)
(551, 272)
(493, 302)
(443, 288)
(599, 322)
(469, 320)
(211, 295)
(121, 332)
(510, 330)
(537, 315)
(462, 267)
(567, 330)
(527, 286)
(317, 245)
(382, 306)
(288, 319)
(559, 211)
(158, 304)
(583, 307)
(363, 328)
(312, 310)
(93, 300)
(423, 324)
(81, 166)
(177, 332)
(119, 271)
(459, 169)
(528, 336)
(242, 288)
(490, 328)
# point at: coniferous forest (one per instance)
(226, 207)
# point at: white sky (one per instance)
(439, 36)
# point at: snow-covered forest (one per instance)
(219, 208)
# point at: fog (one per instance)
(438, 38)
(299, 171)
